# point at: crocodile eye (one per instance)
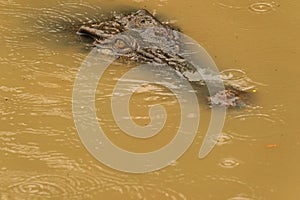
(120, 44)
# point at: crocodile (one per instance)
(142, 38)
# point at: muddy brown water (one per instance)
(42, 157)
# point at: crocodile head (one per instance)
(140, 19)
(140, 37)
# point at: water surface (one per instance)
(42, 157)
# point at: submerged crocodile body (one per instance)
(142, 38)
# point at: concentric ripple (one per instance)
(233, 74)
(229, 163)
(232, 186)
(52, 24)
(53, 185)
(224, 138)
(57, 20)
(260, 122)
(256, 7)
(239, 79)
(263, 7)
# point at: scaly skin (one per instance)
(140, 37)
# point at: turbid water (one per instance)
(42, 157)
